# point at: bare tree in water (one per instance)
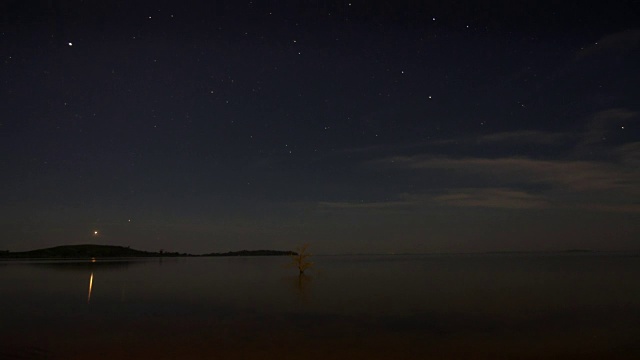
(301, 259)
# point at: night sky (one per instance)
(357, 127)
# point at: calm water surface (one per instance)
(564, 306)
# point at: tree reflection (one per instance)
(302, 284)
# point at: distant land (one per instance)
(536, 252)
(253, 253)
(109, 251)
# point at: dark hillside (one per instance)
(78, 252)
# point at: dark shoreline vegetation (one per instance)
(110, 251)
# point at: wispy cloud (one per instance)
(598, 127)
(507, 137)
(619, 208)
(611, 185)
(524, 137)
(629, 154)
(604, 122)
(576, 175)
(572, 179)
(492, 198)
(404, 201)
(619, 42)
(482, 197)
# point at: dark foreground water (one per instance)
(564, 306)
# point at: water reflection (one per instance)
(302, 285)
(91, 267)
(362, 307)
(90, 288)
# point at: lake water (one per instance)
(515, 306)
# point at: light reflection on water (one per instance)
(523, 306)
(90, 288)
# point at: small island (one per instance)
(88, 251)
